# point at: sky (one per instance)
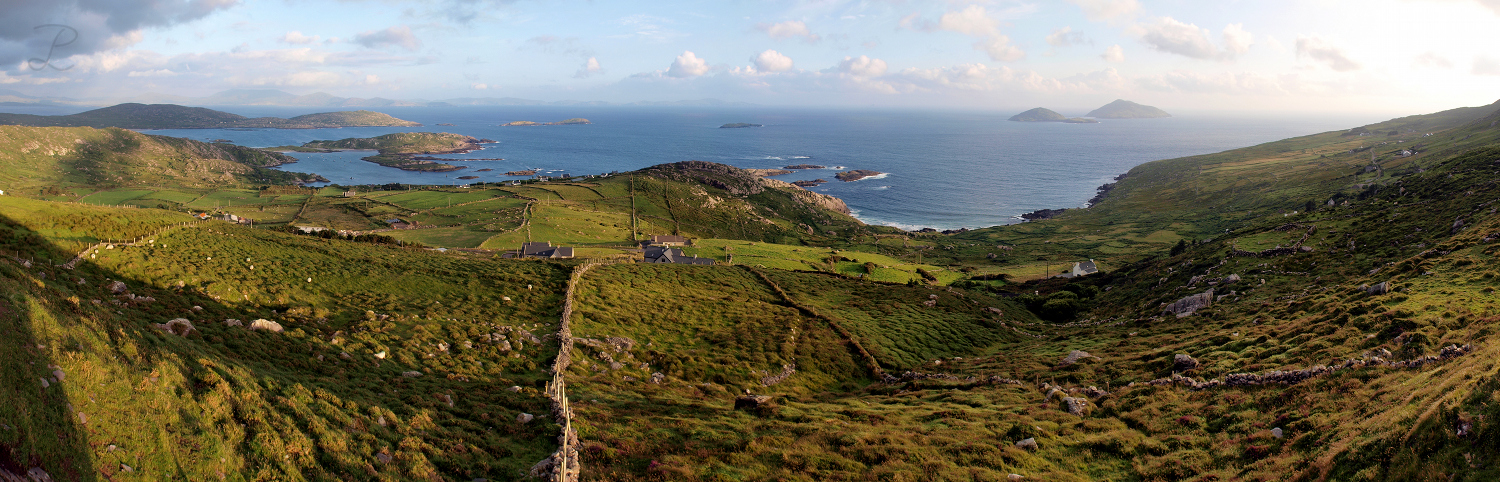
(1346, 56)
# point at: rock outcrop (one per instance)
(1187, 305)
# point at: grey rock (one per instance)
(1276, 432)
(1074, 357)
(1190, 304)
(1182, 362)
(750, 402)
(411, 374)
(267, 325)
(525, 418)
(1380, 288)
(1076, 405)
(177, 326)
(1027, 444)
(117, 287)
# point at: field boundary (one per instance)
(870, 361)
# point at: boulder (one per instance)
(233, 322)
(1189, 304)
(524, 418)
(117, 287)
(657, 378)
(1380, 288)
(1182, 362)
(177, 326)
(1076, 405)
(267, 325)
(1233, 278)
(1074, 357)
(751, 402)
(1027, 444)
(1276, 432)
(1015, 477)
(380, 355)
(411, 374)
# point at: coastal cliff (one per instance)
(808, 197)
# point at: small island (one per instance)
(812, 183)
(739, 125)
(1046, 115)
(520, 173)
(484, 170)
(468, 177)
(855, 175)
(402, 149)
(1124, 109)
(567, 122)
(805, 166)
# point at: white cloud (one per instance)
(788, 29)
(1486, 65)
(1066, 37)
(398, 36)
(296, 38)
(479, 86)
(1232, 83)
(1237, 40)
(999, 48)
(1169, 35)
(590, 68)
(1432, 59)
(1321, 51)
(1107, 9)
(687, 65)
(1114, 54)
(973, 21)
(862, 66)
(772, 61)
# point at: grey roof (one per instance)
(658, 254)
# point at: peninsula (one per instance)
(401, 150)
(573, 121)
(1040, 114)
(1124, 109)
(738, 125)
(855, 175)
(172, 116)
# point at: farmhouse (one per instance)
(663, 254)
(545, 249)
(1083, 268)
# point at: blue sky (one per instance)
(1069, 55)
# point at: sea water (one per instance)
(943, 169)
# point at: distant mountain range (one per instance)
(273, 97)
(169, 116)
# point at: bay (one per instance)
(943, 169)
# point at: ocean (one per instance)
(943, 169)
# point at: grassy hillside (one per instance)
(170, 116)
(53, 161)
(402, 378)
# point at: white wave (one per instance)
(883, 187)
(837, 168)
(800, 157)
